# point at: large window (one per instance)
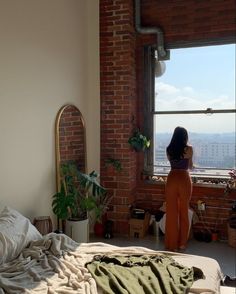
(197, 91)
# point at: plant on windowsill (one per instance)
(115, 163)
(232, 181)
(138, 141)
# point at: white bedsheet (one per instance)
(56, 264)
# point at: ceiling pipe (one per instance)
(162, 54)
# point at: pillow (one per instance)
(16, 231)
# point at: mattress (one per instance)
(56, 264)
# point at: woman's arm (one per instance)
(190, 156)
(168, 156)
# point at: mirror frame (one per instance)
(57, 142)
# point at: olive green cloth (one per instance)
(158, 274)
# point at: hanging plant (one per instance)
(138, 141)
(115, 163)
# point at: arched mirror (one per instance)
(70, 139)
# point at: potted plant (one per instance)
(101, 206)
(138, 141)
(115, 163)
(78, 195)
(232, 180)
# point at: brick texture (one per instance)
(118, 105)
(71, 136)
(121, 63)
(218, 205)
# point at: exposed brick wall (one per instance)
(118, 104)
(121, 64)
(71, 137)
(151, 196)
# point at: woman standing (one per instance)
(178, 191)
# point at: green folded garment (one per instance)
(148, 274)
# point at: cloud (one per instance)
(166, 89)
(187, 98)
(169, 97)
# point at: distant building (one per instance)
(218, 155)
(208, 152)
(160, 155)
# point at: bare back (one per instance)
(188, 154)
(186, 162)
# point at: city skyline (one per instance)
(214, 151)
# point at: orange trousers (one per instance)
(178, 194)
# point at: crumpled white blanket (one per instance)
(47, 266)
(56, 264)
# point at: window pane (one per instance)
(212, 138)
(197, 78)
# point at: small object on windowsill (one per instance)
(216, 182)
(201, 205)
(159, 179)
(232, 181)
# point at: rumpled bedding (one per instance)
(145, 274)
(56, 264)
(47, 266)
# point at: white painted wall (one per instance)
(49, 56)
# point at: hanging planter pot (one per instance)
(138, 141)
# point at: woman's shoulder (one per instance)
(188, 150)
(189, 147)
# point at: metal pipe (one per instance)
(162, 54)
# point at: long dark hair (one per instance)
(178, 142)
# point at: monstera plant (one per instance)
(79, 193)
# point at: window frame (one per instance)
(150, 112)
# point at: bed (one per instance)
(54, 263)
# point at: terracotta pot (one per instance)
(111, 170)
(214, 236)
(99, 229)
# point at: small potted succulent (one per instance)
(138, 141)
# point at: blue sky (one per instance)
(197, 78)
(209, 68)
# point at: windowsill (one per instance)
(210, 182)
